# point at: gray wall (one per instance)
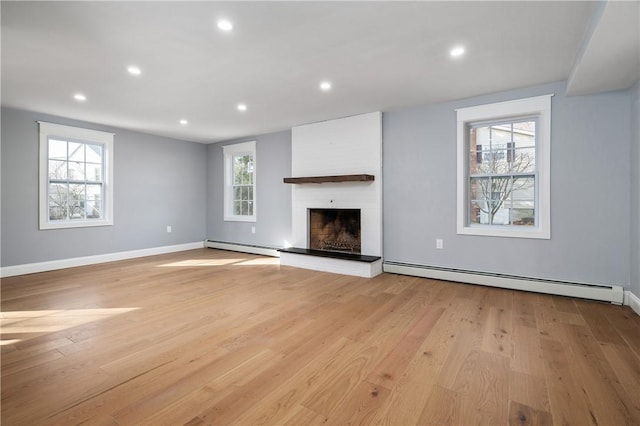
(157, 182)
(273, 222)
(590, 207)
(635, 189)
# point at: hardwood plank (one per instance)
(607, 399)
(599, 324)
(521, 415)
(359, 407)
(523, 309)
(442, 408)
(387, 372)
(529, 388)
(626, 366)
(566, 397)
(526, 356)
(482, 385)
(304, 416)
(498, 330)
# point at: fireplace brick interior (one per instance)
(335, 230)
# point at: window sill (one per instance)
(75, 224)
(505, 231)
(240, 219)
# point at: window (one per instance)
(503, 169)
(76, 170)
(240, 182)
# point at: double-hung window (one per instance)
(76, 170)
(503, 169)
(240, 182)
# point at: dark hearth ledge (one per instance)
(331, 254)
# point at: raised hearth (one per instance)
(332, 261)
(331, 254)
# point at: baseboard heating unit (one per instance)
(243, 248)
(607, 293)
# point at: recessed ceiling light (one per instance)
(79, 97)
(225, 25)
(134, 70)
(325, 86)
(456, 52)
(184, 122)
(242, 107)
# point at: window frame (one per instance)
(538, 107)
(78, 135)
(229, 152)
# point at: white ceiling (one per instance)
(378, 55)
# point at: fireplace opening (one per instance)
(335, 230)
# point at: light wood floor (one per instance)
(213, 337)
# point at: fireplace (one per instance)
(335, 230)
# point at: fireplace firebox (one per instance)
(335, 230)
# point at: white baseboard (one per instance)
(242, 248)
(632, 301)
(612, 294)
(31, 268)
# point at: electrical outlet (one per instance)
(439, 243)
(253, 229)
(168, 228)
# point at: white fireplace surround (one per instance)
(351, 145)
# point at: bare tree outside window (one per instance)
(75, 180)
(502, 164)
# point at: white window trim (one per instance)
(539, 106)
(229, 152)
(84, 135)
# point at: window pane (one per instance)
(499, 159)
(524, 160)
(500, 134)
(76, 211)
(480, 200)
(250, 193)
(250, 208)
(57, 170)
(93, 209)
(93, 204)
(58, 194)
(523, 189)
(76, 193)
(94, 172)
(482, 136)
(522, 217)
(524, 132)
(76, 151)
(94, 153)
(76, 170)
(237, 208)
(241, 170)
(478, 212)
(237, 193)
(479, 188)
(249, 170)
(94, 192)
(57, 213)
(57, 149)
